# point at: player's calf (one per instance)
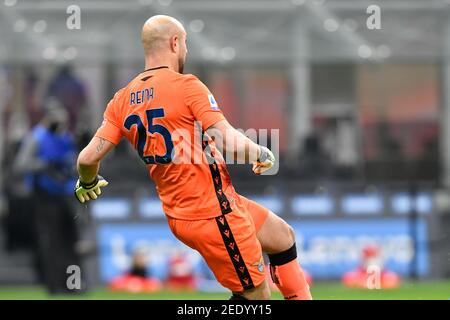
(278, 241)
(287, 274)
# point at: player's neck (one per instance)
(155, 63)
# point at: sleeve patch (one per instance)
(213, 102)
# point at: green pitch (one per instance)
(321, 291)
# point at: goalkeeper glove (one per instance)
(90, 191)
(265, 161)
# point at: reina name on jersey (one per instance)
(141, 96)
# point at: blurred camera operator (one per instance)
(46, 161)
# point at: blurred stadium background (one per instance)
(363, 117)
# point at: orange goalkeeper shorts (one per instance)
(228, 243)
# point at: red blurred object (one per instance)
(360, 278)
(371, 274)
(136, 284)
(181, 275)
(136, 279)
(371, 251)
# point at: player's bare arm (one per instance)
(241, 147)
(90, 183)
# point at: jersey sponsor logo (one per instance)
(213, 102)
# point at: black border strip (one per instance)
(224, 204)
(234, 253)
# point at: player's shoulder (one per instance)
(119, 93)
(192, 82)
(189, 77)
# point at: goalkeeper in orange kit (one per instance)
(154, 112)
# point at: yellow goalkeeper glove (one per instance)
(89, 191)
(265, 161)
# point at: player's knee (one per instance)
(290, 234)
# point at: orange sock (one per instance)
(288, 275)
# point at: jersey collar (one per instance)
(156, 68)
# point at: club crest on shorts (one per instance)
(259, 265)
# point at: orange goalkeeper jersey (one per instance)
(163, 114)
